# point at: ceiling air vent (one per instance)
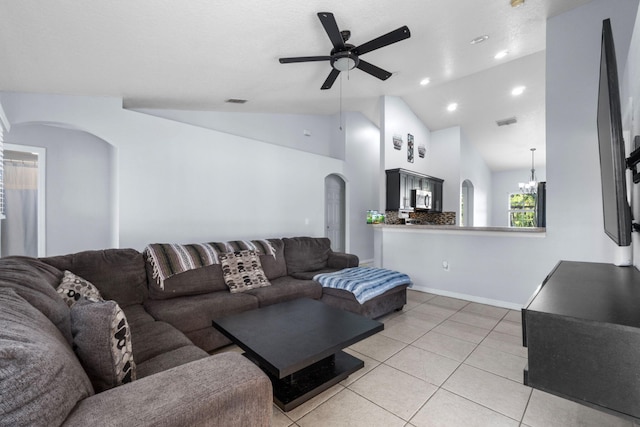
(236, 101)
(505, 122)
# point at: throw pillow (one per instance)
(102, 341)
(242, 271)
(73, 287)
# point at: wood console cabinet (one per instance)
(582, 332)
(400, 182)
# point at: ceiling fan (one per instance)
(345, 56)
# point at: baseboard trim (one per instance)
(366, 262)
(472, 298)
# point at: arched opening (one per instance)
(24, 227)
(466, 204)
(334, 202)
(80, 186)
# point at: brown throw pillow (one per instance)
(242, 271)
(102, 342)
(73, 287)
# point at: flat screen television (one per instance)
(616, 209)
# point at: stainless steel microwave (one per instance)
(421, 199)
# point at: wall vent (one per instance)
(505, 122)
(236, 101)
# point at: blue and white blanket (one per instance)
(364, 283)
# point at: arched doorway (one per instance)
(24, 228)
(334, 202)
(466, 204)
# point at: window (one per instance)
(522, 210)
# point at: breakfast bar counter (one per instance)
(455, 229)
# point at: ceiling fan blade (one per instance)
(373, 70)
(384, 40)
(304, 59)
(333, 75)
(331, 27)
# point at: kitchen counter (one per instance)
(454, 229)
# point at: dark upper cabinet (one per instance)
(400, 182)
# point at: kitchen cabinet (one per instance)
(400, 182)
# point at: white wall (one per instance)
(79, 187)
(506, 270)
(399, 119)
(362, 158)
(474, 169)
(287, 130)
(446, 152)
(630, 99)
(504, 183)
(183, 183)
(574, 220)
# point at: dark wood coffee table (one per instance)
(298, 345)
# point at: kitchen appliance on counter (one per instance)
(421, 199)
(410, 221)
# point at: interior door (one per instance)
(335, 212)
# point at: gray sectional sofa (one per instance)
(178, 383)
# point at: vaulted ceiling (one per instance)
(196, 54)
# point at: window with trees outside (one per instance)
(522, 210)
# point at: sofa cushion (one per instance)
(73, 287)
(119, 274)
(285, 289)
(192, 282)
(192, 313)
(306, 253)
(242, 271)
(102, 341)
(170, 359)
(137, 315)
(40, 377)
(36, 282)
(309, 275)
(152, 339)
(274, 267)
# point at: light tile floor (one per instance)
(442, 362)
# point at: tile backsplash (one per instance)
(433, 218)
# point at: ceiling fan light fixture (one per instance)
(344, 64)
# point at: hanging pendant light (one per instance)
(530, 187)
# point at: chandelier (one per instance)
(530, 187)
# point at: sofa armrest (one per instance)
(340, 260)
(221, 390)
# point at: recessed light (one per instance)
(425, 81)
(479, 39)
(518, 90)
(517, 3)
(452, 107)
(507, 122)
(501, 54)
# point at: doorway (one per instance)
(466, 204)
(334, 193)
(23, 229)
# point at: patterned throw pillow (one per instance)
(102, 342)
(73, 287)
(242, 271)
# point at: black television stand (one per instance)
(582, 331)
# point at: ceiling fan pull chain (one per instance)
(340, 101)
